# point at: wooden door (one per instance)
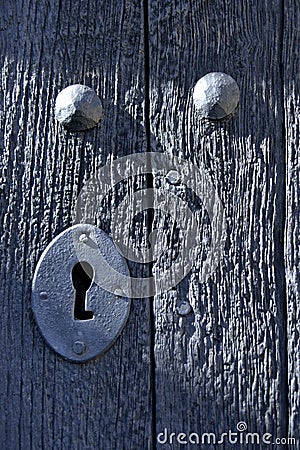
(233, 358)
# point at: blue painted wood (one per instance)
(204, 356)
(47, 402)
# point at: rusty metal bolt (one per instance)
(78, 108)
(216, 95)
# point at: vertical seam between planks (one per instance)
(150, 215)
(282, 243)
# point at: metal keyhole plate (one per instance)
(53, 293)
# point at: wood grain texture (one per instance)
(46, 402)
(291, 79)
(225, 361)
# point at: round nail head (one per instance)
(78, 108)
(216, 96)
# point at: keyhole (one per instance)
(82, 277)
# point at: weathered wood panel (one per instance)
(225, 361)
(291, 79)
(47, 402)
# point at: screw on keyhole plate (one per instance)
(84, 324)
(82, 277)
(79, 347)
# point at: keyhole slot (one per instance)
(82, 277)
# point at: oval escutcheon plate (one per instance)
(80, 293)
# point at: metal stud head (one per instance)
(216, 95)
(78, 108)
